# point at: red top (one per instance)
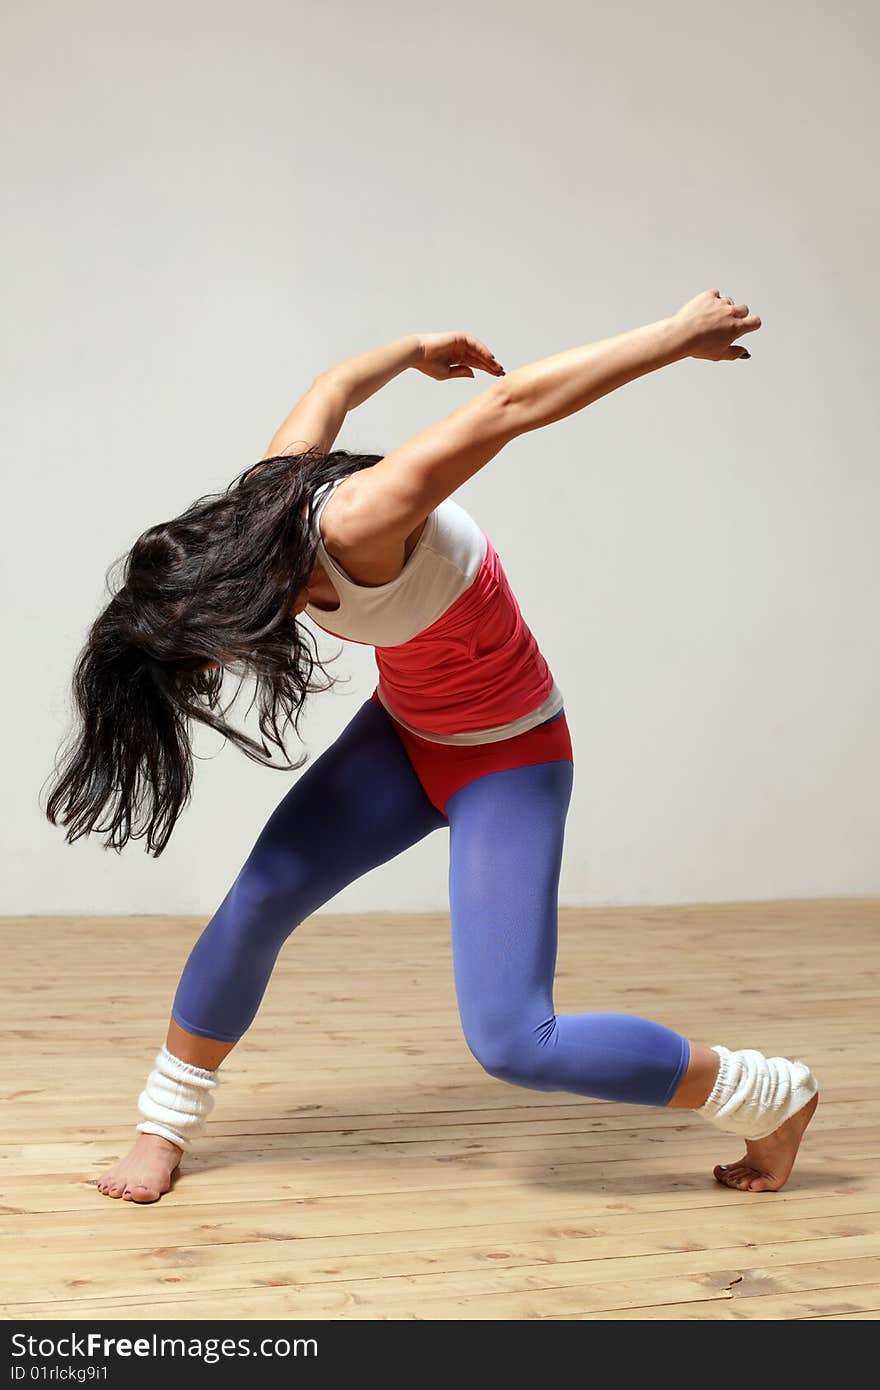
(477, 666)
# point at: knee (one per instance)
(266, 901)
(512, 1053)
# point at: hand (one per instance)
(709, 323)
(445, 355)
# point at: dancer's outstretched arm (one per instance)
(316, 419)
(388, 501)
(558, 386)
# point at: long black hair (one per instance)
(214, 584)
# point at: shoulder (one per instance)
(353, 534)
(333, 509)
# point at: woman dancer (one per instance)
(465, 730)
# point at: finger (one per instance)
(485, 356)
(460, 370)
(749, 324)
(733, 354)
(477, 346)
(741, 310)
(484, 364)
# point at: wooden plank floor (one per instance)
(360, 1164)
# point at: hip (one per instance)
(443, 768)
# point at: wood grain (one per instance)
(360, 1164)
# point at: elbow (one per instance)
(332, 384)
(505, 403)
(503, 392)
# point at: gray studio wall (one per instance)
(208, 204)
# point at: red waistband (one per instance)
(443, 768)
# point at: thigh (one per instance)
(506, 833)
(356, 806)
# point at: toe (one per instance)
(736, 1177)
(729, 1173)
(142, 1193)
(731, 1167)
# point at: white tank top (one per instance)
(443, 563)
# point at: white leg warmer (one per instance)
(177, 1099)
(754, 1094)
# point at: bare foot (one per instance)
(145, 1172)
(768, 1162)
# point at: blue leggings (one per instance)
(360, 804)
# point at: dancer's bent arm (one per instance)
(389, 500)
(315, 421)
